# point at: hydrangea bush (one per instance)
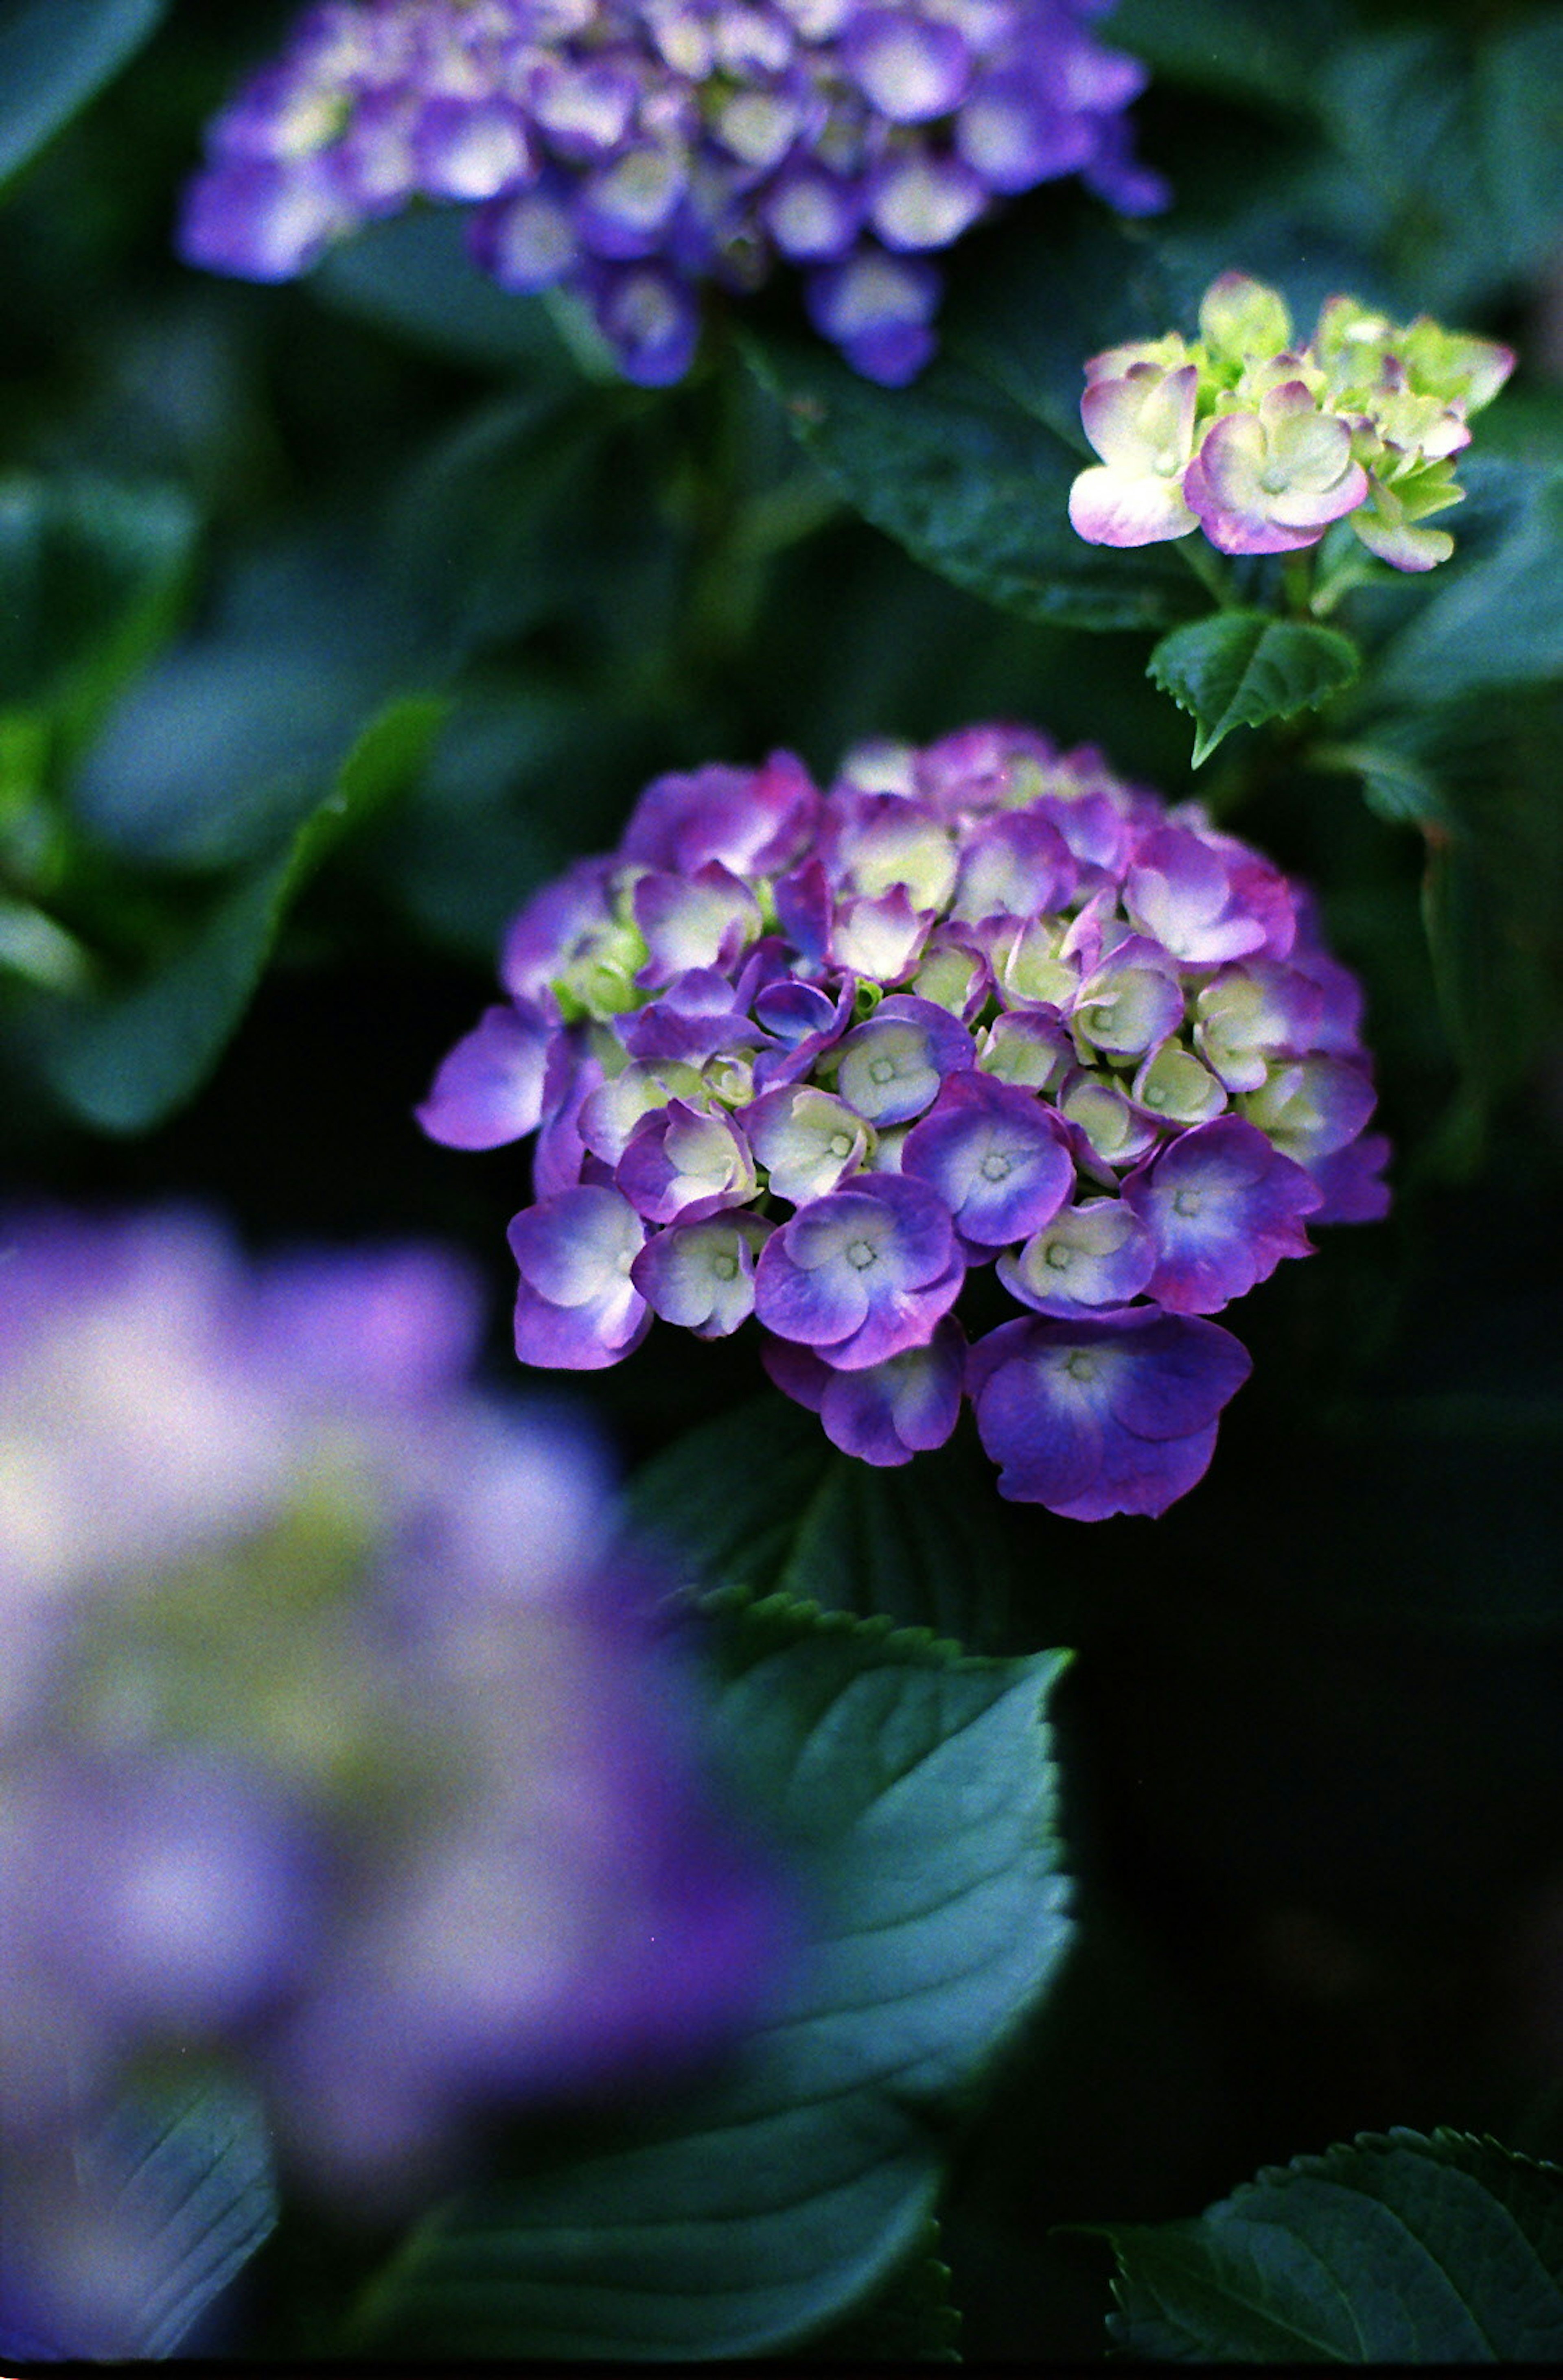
(820, 1057)
(448, 1910)
(635, 151)
(337, 1746)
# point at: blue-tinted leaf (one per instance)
(414, 277)
(181, 2178)
(752, 2211)
(1499, 620)
(912, 2320)
(1239, 669)
(972, 483)
(219, 751)
(122, 1063)
(1395, 2249)
(1245, 49)
(194, 2169)
(90, 575)
(759, 1500)
(54, 56)
(1453, 148)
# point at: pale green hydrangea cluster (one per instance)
(1263, 444)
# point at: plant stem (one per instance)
(1208, 569)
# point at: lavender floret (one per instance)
(634, 152)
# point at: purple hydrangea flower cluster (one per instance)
(335, 1740)
(631, 150)
(820, 1057)
(1262, 445)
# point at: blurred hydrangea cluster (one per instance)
(825, 1058)
(634, 150)
(336, 1743)
(1262, 445)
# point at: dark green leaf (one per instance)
(414, 277)
(912, 2320)
(1497, 621)
(760, 1500)
(1246, 49)
(193, 2168)
(183, 2171)
(763, 2206)
(124, 1061)
(54, 56)
(972, 483)
(1397, 786)
(90, 575)
(1466, 186)
(534, 508)
(1239, 669)
(218, 753)
(1395, 2249)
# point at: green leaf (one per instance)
(184, 2170)
(91, 573)
(753, 2211)
(760, 1500)
(1239, 669)
(218, 752)
(414, 277)
(1454, 151)
(123, 1061)
(193, 2170)
(54, 56)
(1243, 49)
(1497, 620)
(971, 482)
(912, 2320)
(1395, 2249)
(1397, 786)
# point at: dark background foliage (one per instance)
(333, 618)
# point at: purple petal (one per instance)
(489, 1089)
(753, 821)
(997, 1158)
(259, 219)
(889, 1412)
(1112, 1415)
(862, 1273)
(1348, 1180)
(1223, 1206)
(702, 1275)
(910, 68)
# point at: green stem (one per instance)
(1296, 576)
(1209, 570)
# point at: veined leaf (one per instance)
(760, 1500)
(972, 483)
(1239, 669)
(913, 1792)
(1397, 2248)
(123, 1061)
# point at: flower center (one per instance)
(996, 1167)
(1080, 1365)
(840, 1144)
(1188, 1202)
(725, 1266)
(1058, 1255)
(882, 1070)
(861, 1254)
